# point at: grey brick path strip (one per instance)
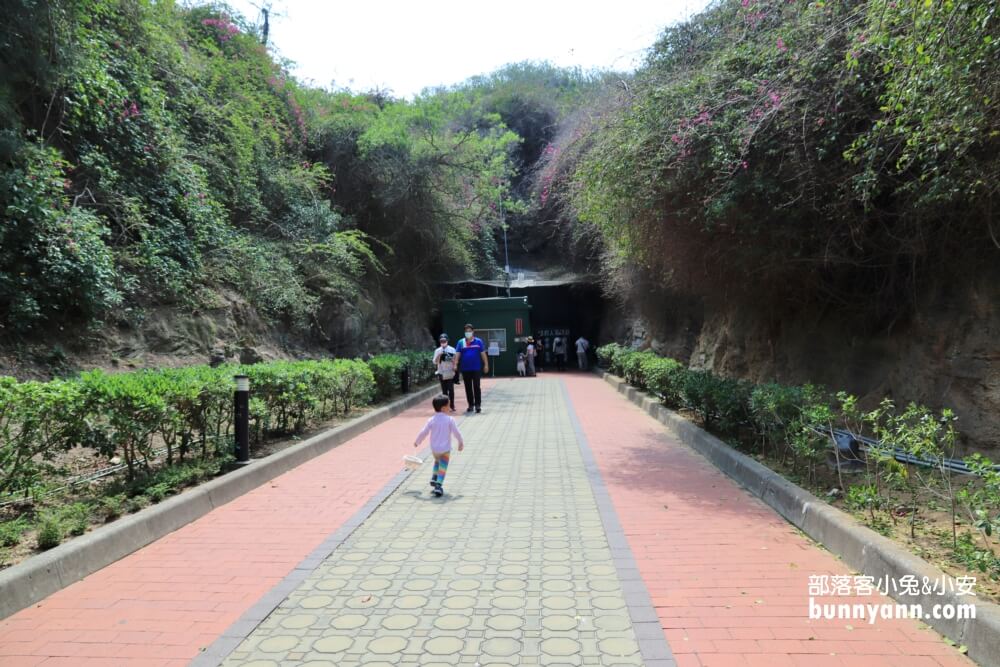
(512, 567)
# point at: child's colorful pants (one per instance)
(440, 467)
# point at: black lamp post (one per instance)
(241, 407)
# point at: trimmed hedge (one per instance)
(388, 370)
(187, 411)
(722, 403)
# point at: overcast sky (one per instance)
(407, 45)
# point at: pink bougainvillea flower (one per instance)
(781, 45)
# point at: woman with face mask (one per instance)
(472, 363)
(444, 362)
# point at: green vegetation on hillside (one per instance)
(533, 100)
(828, 150)
(154, 154)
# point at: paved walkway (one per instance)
(522, 562)
(164, 604)
(511, 567)
(728, 576)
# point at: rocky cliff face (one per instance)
(945, 354)
(379, 322)
(229, 329)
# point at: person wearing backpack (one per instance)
(444, 363)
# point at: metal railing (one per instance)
(843, 438)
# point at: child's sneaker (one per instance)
(438, 491)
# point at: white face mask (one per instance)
(468, 335)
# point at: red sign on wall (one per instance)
(518, 326)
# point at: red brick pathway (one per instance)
(164, 603)
(727, 575)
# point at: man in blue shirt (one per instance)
(472, 363)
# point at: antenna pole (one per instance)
(506, 257)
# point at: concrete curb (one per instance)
(38, 577)
(859, 547)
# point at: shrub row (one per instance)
(722, 403)
(387, 370)
(185, 411)
(787, 423)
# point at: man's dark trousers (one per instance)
(448, 389)
(473, 392)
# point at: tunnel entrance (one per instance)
(572, 310)
(567, 306)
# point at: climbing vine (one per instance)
(827, 149)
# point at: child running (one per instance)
(440, 427)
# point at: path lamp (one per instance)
(241, 411)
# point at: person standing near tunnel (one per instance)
(472, 364)
(582, 349)
(559, 350)
(444, 362)
(529, 356)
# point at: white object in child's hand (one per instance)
(412, 462)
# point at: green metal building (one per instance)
(502, 323)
